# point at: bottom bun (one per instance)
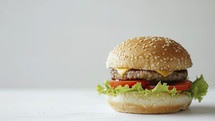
(135, 102)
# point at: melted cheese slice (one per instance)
(164, 73)
(122, 71)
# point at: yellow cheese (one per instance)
(164, 73)
(122, 71)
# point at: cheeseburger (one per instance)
(149, 75)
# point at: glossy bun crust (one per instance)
(149, 53)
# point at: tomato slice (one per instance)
(185, 85)
(114, 84)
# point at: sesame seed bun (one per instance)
(135, 102)
(149, 53)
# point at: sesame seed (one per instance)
(177, 51)
(154, 46)
(151, 44)
(140, 40)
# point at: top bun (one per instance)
(149, 53)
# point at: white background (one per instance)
(64, 43)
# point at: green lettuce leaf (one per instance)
(164, 88)
(137, 87)
(106, 90)
(198, 89)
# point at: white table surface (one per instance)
(85, 105)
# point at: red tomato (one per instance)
(114, 84)
(184, 85)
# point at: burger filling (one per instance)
(149, 79)
(147, 82)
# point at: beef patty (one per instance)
(136, 74)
